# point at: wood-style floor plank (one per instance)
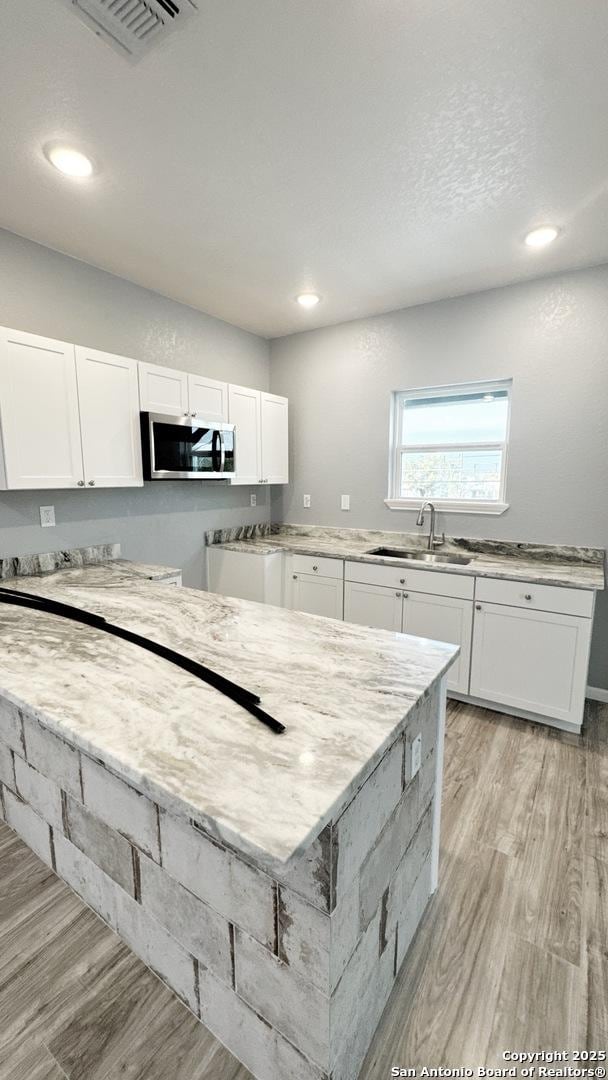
(540, 1004)
(551, 866)
(513, 949)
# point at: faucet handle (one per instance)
(437, 542)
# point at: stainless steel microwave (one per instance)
(187, 448)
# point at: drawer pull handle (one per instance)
(315, 567)
(402, 581)
(295, 577)
(478, 607)
(528, 596)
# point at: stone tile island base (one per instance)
(290, 970)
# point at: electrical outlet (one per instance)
(47, 516)
(345, 502)
(253, 500)
(306, 501)
(416, 756)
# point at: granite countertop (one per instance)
(100, 562)
(571, 567)
(343, 691)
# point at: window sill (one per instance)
(446, 507)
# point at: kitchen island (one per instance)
(273, 881)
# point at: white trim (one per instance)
(509, 710)
(597, 693)
(447, 507)
(438, 795)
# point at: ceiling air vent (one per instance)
(133, 27)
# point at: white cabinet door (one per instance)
(531, 660)
(39, 412)
(244, 412)
(109, 419)
(163, 390)
(373, 605)
(442, 618)
(275, 451)
(317, 595)
(208, 398)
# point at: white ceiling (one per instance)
(381, 152)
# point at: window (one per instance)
(450, 446)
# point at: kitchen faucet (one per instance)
(433, 540)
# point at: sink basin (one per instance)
(421, 556)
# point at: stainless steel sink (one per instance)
(421, 556)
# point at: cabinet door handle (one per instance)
(295, 577)
(91, 483)
(477, 607)
(528, 596)
(397, 594)
(81, 483)
(405, 595)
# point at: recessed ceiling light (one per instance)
(543, 235)
(308, 299)
(70, 162)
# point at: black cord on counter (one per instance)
(245, 698)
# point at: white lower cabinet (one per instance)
(373, 605)
(534, 661)
(317, 595)
(439, 618)
(443, 618)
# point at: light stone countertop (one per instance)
(343, 691)
(570, 567)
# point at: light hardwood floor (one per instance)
(512, 952)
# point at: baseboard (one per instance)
(597, 693)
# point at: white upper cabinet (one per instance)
(261, 436)
(244, 411)
(275, 454)
(208, 398)
(39, 413)
(163, 390)
(109, 418)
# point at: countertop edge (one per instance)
(178, 807)
(473, 569)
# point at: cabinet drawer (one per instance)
(536, 597)
(397, 577)
(314, 564)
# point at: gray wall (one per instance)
(550, 336)
(51, 294)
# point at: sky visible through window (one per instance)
(443, 466)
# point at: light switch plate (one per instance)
(253, 500)
(345, 502)
(306, 501)
(416, 755)
(47, 516)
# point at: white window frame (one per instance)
(451, 506)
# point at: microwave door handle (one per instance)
(222, 452)
(214, 441)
